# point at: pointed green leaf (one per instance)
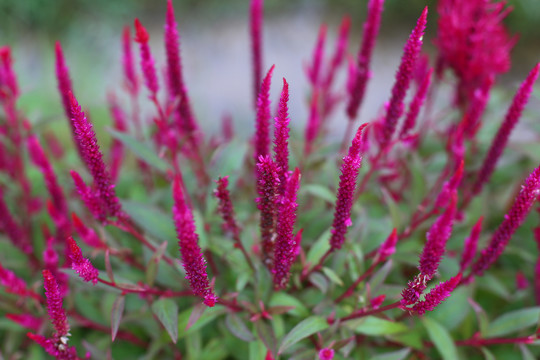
(319, 281)
(116, 314)
(304, 329)
(330, 274)
(513, 321)
(153, 220)
(266, 334)
(321, 192)
(375, 326)
(318, 249)
(238, 328)
(394, 355)
(487, 354)
(284, 299)
(198, 311)
(141, 150)
(166, 311)
(441, 338)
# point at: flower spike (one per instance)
(147, 60)
(471, 243)
(80, 264)
(54, 305)
(281, 138)
(437, 295)
(256, 20)
(130, 76)
(262, 136)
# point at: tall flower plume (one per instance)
(256, 20)
(347, 186)
(56, 312)
(281, 138)
(188, 240)
(471, 243)
(262, 122)
(130, 76)
(8, 80)
(12, 228)
(315, 69)
(362, 72)
(523, 204)
(416, 104)
(437, 295)
(411, 52)
(147, 60)
(339, 52)
(64, 81)
(225, 207)
(501, 138)
(285, 244)
(82, 266)
(313, 124)
(86, 138)
(14, 284)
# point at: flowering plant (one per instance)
(205, 251)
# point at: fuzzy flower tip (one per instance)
(54, 305)
(501, 138)
(471, 243)
(130, 76)
(225, 207)
(523, 204)
(188, 240)
(339, 52)
(315, 68)
(267, 185)
(281, 138)
(256, 19)
(14, 284)
(326, 354)
(362, 73)
(86, 138)
(63, 79)
(286, 245)
(80, 264)
(403, 79)
(388, 247)
(347, 186)
(147, 60)
(262, 136)
(174, 70)
(90, 199)
(437, 295)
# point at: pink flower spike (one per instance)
(262, 136)
(19, 238)
(174, 70)
(521, 207)
(130, 76)
(63, 79)
(313, 124)
(54, 305)
(86, 138)
(437, 295)
(8, 77)
(472, 118)
(225, 207)
(47, 344)
(347, 187)
(188, 240)
(87, 234)
(267, 185)
(147, 60)
(326, 354)
(89, 197)
(14, 284)
(416, 104)
(450, 187)
(362, 72)
(80, 264)
(411, 52)
(340, 51)
(286, 244)
(471, 243)
(388, 247)
(256, 20)
(281, 138)
(314, 70)
(26, 320)
(501, 138)
(437, 236)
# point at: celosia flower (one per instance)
(130, 76)
(476, 108)
(437, 295)
(89, 198)
(414, 289)
(501, 138)
(285, 244)
(281, 138)
(473, 42)
(449, 187)
(471, 243)
(347, 186)
(86, 137)
(362, 72)
(326, 354)
(82, 266)
(512, 220)
(339, 52)
(88, 235)
(521, 281)
(314, 70)
(377, 301)
(117, 148)
(388, 247)
(188, 240)
(50, 256)
(54, 305)
(416, 104)
(262, 137)
(14, 284)
(8, 80)
(411, 52)
(256, 19)
(26, 320)
(313, 123)
(225, 207)
(267, 185)
(147, 60)
(12, 229)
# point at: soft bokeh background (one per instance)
(215, 49)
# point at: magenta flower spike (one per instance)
(281, 138)
(130, 75)
(313, 124)
(147, 60)
(537, 268)
(26, 320)
(89, 197)
(88, 235)
(262, 133)
(14, 284)
(86, 138)
(256, 21)
(437, 295)
(54, 305)
(82, 266)
(12, 229)
(267, 187)
(318, 53)
(472, 118)
(501, 138)
(411, 52)
(437, 236)
(347, 187)
(225, 207)
(285, 244)
(7, 75)
(362, 72)
(416, 104)
(471, 243)
(188, 240)
(326, 354)
(117, 148)
(388, 247)
(339, 52)
(63, 79)
(523, 204)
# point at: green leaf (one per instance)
(395, 213)
(487, 354)
(321, 246)
(284, 299)
(394, 355)
(320, 191)
(154, 221)
(319, 281)
(238, 328)
(141, 150)
(166, 311)
(304, 329)
(116, 314)
(513, 321)
(441, 338)
(372, 325)
(526, 353)
(266, 334)
(380, 276)
(481, 316)
(332, 276)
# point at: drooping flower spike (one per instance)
(82, 266)
(437, 295)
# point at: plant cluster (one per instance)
(169, 244)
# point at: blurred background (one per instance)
(215, 48)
